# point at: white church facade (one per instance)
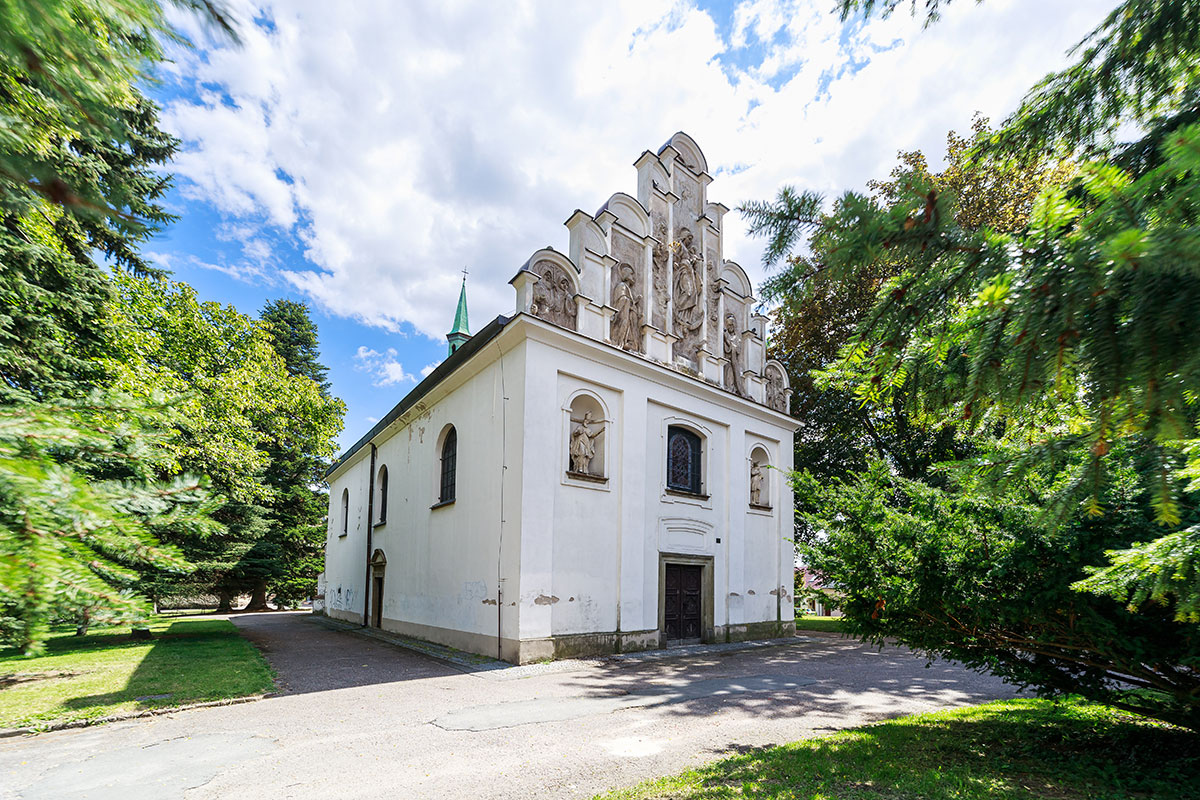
(601, 471)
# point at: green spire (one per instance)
(462, 329)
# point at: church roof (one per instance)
(460, 316)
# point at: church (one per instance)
(602, 470)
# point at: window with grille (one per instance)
(683, 460)
(449, 466)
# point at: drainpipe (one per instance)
(370, 526)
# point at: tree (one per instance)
(297, 462)
(72, 545)
(1065, 346)
(239, 410)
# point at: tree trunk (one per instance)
(85, 620)
(224, 601)
(258, 598)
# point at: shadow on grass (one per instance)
(1013, 749)
(189, 661)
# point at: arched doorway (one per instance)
(378, 564)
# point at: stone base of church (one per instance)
(575, 645)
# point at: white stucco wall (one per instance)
(590, 560)
(443, 563)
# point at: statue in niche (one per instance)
(583, 445)
(776, 395)
(688, 313)
(756, 483)
(733, 356)
(553, 299)
(627, 321)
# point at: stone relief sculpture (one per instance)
(553, 299)
(776, 395)
(714, 302)
(688, 313)
(756, 484)
(658, 275)
(626, 330)
(583, 445)
(734, 363)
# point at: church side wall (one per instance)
(442, 561)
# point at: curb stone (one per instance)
(8, 733)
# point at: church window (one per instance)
(683, 460)
(449, 466)
(345, 511)
(381, 484)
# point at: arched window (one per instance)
(449, 466)
(381, 487)
(683, 460)
(345, 511)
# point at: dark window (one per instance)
(683, 460)
(345, 511)
(449, 466)
(383, 493)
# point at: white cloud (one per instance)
(385, 369)
(395, 143)
(428, 368)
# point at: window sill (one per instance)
(757, 507)
(441, 504)
(343, 535)
(380, 524)
(689, 495)
(585, 476)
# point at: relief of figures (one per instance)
(553, 297)
(734, 363)
(776, 395)
(714, 302)
(659, 275)
(688, 312)
(626, 331)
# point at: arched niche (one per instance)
(689, 152)
(587, 435)
(759, 484)
(736, 279)
(555, 290)
(381, 495)
(777, 391)
(630, 213)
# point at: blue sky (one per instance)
(357, 155)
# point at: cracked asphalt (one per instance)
(362, 718)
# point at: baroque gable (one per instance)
(648, 274)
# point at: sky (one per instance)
(357, 156)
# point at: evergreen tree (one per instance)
(296, 465)
(73, 545)
(1065, 346)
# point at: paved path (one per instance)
(365, 719)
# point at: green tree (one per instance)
(297, 462)
(1064, 346)
(242, 416)
(73, 545)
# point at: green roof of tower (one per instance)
(460, 316)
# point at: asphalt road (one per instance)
(364, 719)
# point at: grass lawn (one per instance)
(105, 672)
(998, 751)
(827, 624)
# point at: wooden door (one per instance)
(683, 598)
(377, 602)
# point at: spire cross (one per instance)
(465, 274)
